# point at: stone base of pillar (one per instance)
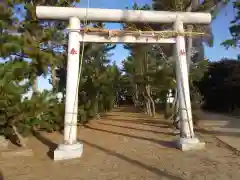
(68, 151)
(186, 144)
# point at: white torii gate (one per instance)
(71, 148)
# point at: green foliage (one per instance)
(9, 44)
(30, 48)
(220, 85)
(42, 111)
(41, 40)
(38, 47)
(45, 112)
(11, 76)
(154, 65)
(98, 83)
(234, 29)
(196, 74)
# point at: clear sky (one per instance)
(221, 33)
(219, 26)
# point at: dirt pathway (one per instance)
(125, 146)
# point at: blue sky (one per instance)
(219, 26)
(220, 30)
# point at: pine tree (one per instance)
(42, 39)
(234, 29)
(24, 38)
(12, 86)
(9, 44)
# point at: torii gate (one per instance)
(71, 148)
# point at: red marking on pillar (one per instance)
(73, 51)
(182, 52)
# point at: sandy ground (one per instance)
(124, 146)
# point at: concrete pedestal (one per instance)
(186, 144)
(68, 151)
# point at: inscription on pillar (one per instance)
(182, 52)
(73, 51)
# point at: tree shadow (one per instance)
(130, 114)
(219, 133)
(135, 116)
(133, 128)
(143, 122)
(127, 109)
(50, 144)
(1, 175)
(169, 144)
(152, 169)
(127, 115)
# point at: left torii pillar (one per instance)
(71, 148)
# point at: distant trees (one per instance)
(220, 86)
(234, 29)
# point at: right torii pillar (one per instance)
(187, 140)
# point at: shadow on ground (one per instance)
(143, 122)
(152, 169)
(52, 146)
(133, 128)
(161, 124)
(44, 140)
(169, 144)
(132, 115)
(1, 175)
(128, 109)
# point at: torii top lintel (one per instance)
(117, 15)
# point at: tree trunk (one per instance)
(168, 113)
(175, 111)
(21, 140)
(148, 107)
(136, 96)
(148, 88)
(116, 104)
(147, 101)
(54, 78)
(153, 107)
(35, 85)
(148, 91)
(96, 107)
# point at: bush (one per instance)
(220, 86)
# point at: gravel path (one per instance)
(124, 146)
